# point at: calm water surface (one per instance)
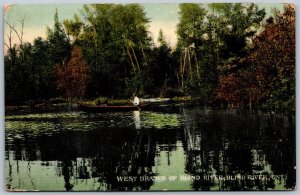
(184, 149)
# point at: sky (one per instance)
(38, 16)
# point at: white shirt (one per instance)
(136, 101)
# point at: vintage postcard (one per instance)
(150, 97)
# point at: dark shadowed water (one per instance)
(184, 149)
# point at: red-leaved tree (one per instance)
(267, 73)
(73, 77)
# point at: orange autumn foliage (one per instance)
(230, 89)
(274, 51)
(267, 72)
(73, 77)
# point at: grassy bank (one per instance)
(104, 100)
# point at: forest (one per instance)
(227, 54)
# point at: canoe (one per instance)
(90, 108)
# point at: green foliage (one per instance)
(274, 49)
(134, 85)
(73, 28)
(159, 121)
(190, 27)
(196, 43)
(161, 38)
(114, 40)
(225, 54)
(111, 102)
(237, 23)
(59, 43)
(29, 69)
(266, 75)
(209, 40)
(28, 72)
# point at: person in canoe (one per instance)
(136, 101)
(113, 108)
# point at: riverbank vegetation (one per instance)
(229, 55)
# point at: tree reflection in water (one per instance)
(228, 144)
(213, 143)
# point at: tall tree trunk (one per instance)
(137, 63)
(190, 64)
(132, 63)
(183, 67)
(144, 56)
(197, 65)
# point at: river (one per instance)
(188, 148)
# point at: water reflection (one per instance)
(193, 149)
(137, 119)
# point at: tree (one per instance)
(115, 41)
(164, 70)
(191, 24)
(190, 31)
(197, 71)
(72, 79)
(236, 24)
(266, 74)
(273, 57)
(12, 29)
(233, 26)
(73, 27)
(43, 74)
(18, 66)
(59, 43)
